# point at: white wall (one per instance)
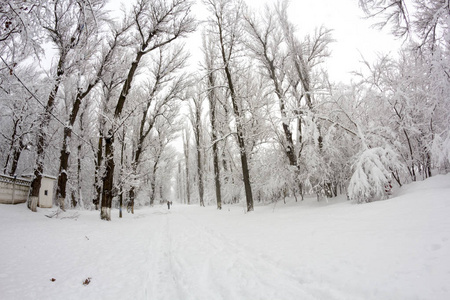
(13, 191)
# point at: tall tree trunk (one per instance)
(153, 192)
(428, 164)
(16, 156)
(42, 136)
(411, 168)
(212, 110)
(121, 174)
(12, 148)
(153, 181)
(197, 132)
(98, 175)
(239, 126)
(153, 184)
(186, 158)
(79, 194)
(65, 153)
(108, 179)
(156, 27)
(63, 167)
(139, 149)
(271, 69)
(217, 175)
(200, 175)
(180, 188)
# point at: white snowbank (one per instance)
(393, 249)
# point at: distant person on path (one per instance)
(168, 204)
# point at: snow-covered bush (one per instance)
(371, 174)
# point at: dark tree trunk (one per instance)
(65, 154)
(216, 165)
(16, 156)
(79, 195)
(12, 148)
(73, 200)
(153, 181)
(289, 149)
(42, 136)
(153, 192)
(131, 195)
(121, 173)
(186, 157)
(188, 190)
(199, 154)
(396, 177)
(240, 131)
(137, 154)
(108, 179)
(212, 109)
(167, 22)
(98, 186)
(200, 176)
(237, 114)
(428, 165)
(63, 167)
(217, 176)
(180, 188)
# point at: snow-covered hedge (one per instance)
(371, 174)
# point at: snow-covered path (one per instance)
(395, 249)
(192, 261)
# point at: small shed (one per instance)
(46, 191)
(45, 199)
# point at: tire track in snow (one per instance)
(161, 282)
(249, 274)
(236, 272)
(191, 261)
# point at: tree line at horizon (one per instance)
(258, 119)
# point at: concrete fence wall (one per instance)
(13, 191)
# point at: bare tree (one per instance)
(161, 154)
(393, 13)
(110, 84)
(226, 25)
(208, 51)
(87, 84)
(20, 32)
(195, 115)
(265, 42)
(157, 23)
(67, 36)
(164, 88)
(423, 19)
(186, 146)
(303, 57)
(19, 113)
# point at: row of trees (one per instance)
(258, 120)
(300, 132)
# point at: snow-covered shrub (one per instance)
(272, 176)
(371, 174)
(440, 149)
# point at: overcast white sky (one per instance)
(352, 32)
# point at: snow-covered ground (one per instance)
(393, 249)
